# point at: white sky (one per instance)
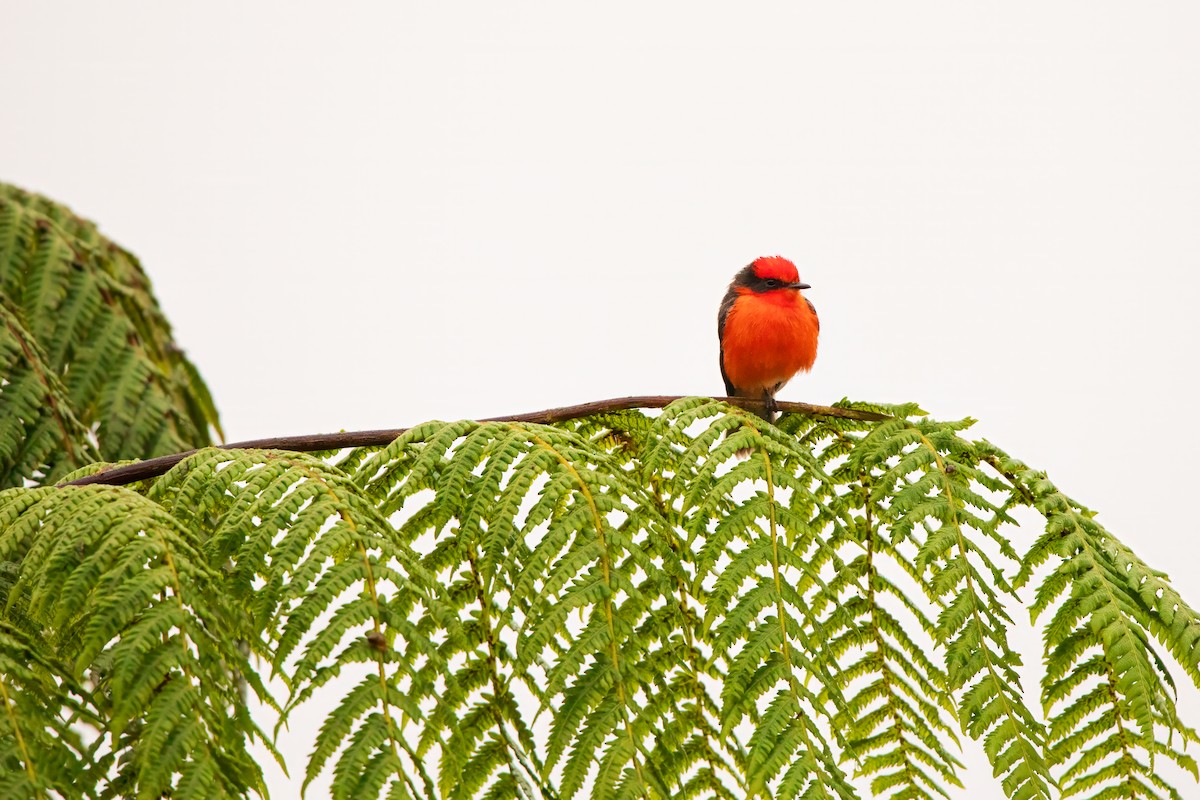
(370, 214)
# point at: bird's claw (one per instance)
(770, 406)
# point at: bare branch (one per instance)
(153, 467)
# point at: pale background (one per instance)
(364, 215)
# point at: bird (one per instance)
(767, 330)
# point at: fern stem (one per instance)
(962, 548)
(307, 443)
(700, 694)
(701, 698)
(383, 678)
(1110, 690)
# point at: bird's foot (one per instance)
(770, 406)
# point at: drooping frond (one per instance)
(327, 590)
(120, 592)
(899, 700)
(929, 495)
(752, 536)
(1109, 693)
(85, 336)
(530, 527)
(41, 753)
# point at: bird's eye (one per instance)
(771, 283)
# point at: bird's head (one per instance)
(769, 274)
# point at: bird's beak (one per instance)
(799, 285)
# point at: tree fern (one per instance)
(897, 722)
(88, 346)
(616, 606)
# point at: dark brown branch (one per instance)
(153, 467)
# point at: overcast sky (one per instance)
(367, 214)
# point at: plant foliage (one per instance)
(90, 369)
(617, 606)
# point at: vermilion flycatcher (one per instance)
(768, 330)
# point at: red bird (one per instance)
(768, 330)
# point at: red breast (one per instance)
(768, 338)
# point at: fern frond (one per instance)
(751, 567)
(479, 477)
(1108, 693)
(603, 571)
(329, 590)
(128, 595)
(41, 707)
(897, 698)
(929, 487)
(101, 341)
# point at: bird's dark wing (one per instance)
(730, 389)
(813, 309)
(727, 303)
